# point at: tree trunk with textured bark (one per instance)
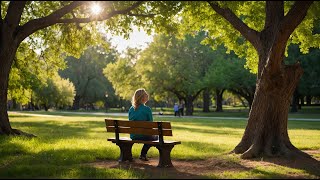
(189, 105)
(206, 100)
(219, 94)
(266, 132)
(8, 48)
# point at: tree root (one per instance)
(240, 148)
(17, 132)
(268, 150)
(252, 152)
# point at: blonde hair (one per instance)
(138, 97)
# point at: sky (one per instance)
(139, 39)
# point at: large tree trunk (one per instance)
(206, 100)
(266, 132)
(8, 48)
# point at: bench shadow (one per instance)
(149, 169)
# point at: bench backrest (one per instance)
(139, 127)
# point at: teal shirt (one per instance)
(143, 113)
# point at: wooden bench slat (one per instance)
(128, 140)
(144, 131)
(141, 124)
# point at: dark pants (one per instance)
(181, 111)
(176, 113)
(146, 147)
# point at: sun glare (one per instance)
(96, 9)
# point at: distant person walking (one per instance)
(176, 109)
(181, 108)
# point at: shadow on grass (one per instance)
(217, 168)
(151, 171)
(208, 132)
(310, 165)
(50, 131)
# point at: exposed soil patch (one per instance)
(198, 169)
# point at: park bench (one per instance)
(145, 128)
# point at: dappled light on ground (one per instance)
(225, 166)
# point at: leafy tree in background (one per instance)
(177, 66)
(261, 31)
(57, 92)
(64, 26)
(227, 72)
(309, 84)
(122, 75)
(87, 76)
(29, 71)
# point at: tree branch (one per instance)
(274, 13)
(197, 93)
(142, 15)
(293, 18)
(289, 23)
(14, 12)
(36, 24)
(250, 34)
(54, 18)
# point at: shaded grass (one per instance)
(65, 144)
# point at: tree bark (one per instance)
(189, 105)
(219, 94)
(8, 48)
(266, 132)
(7, 51)
(206, 100)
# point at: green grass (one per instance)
(67, 143)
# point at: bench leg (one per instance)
(165, 159)
(125, 152)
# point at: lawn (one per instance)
(66, 146)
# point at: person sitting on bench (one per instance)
(140, 112)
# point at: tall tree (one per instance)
(177, 66)
(64, 26)
(261, 31)
(309, 84)
(87, 76)
(56, 92)
(121, 73)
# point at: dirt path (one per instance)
(198, 169)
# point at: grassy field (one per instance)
(66, 145)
